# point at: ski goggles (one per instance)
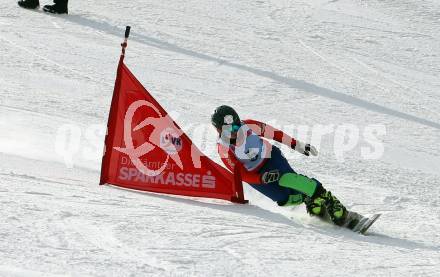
(227, 130)
(233, 128)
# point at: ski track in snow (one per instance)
(323, 62)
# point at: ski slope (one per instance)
(296, 64)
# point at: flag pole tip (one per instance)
(127, 31)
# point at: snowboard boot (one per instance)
(325, 203)
(59, 7)
(337, 211)
(316, 204)
(29, 4)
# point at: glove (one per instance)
(305, 148)
(270, 176)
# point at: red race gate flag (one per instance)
(146, 150)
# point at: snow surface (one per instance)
(291, 63)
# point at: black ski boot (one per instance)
(59, 7)
(29, 4)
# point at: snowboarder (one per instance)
(59, 6)
(263, 166)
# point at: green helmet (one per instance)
(224, 115)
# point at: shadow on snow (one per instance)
(294, 83)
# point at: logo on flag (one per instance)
(161, 136)
(170, 141)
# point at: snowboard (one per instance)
(359, 223)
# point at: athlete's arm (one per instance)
(270, 132)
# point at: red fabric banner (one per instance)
(146, 150)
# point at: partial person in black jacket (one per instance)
(59, 6)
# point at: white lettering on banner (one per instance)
(125, 161)
(169, 178)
